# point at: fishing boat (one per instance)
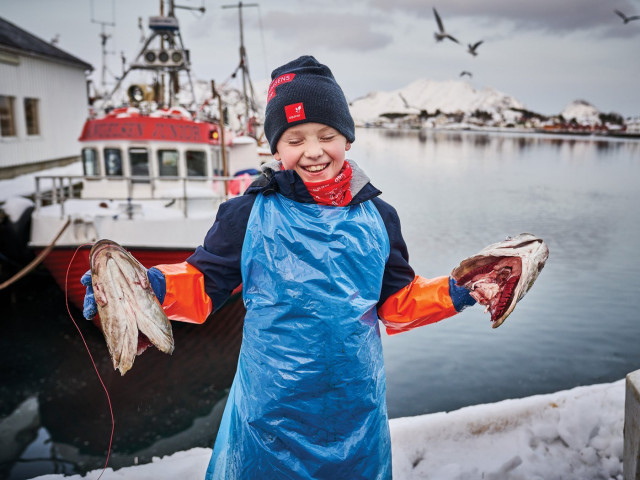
(155, 168)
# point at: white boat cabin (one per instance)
(135, 157)
(117, 169)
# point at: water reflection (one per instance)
(514, 141)
(55, 416)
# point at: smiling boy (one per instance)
(323, 260)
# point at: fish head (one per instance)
(502, 273)
(130, 315)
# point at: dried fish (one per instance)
(126, 304)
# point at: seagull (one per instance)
(463, 73)
(625, 18)
(472, 48)
(404, 100)
(441, 34)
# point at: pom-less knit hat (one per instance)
(302, 91)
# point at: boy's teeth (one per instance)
(316, 168)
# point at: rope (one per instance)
(36, 261)
(95, 367)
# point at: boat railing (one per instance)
(57, 189)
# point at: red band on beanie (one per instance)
(287, 77)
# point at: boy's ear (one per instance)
(277, 156)
(347, 146)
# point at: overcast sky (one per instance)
(546, 53)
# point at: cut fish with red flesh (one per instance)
(502, 273)
(493, 284)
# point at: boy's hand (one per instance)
(90, 309)
(460, 296)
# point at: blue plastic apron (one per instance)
(308, 398)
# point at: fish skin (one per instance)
(525, 253)
(126, 304)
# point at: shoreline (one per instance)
(515, 131)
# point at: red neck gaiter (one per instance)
(335, 191)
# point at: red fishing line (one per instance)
(66, 299)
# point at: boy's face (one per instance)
(315, 151)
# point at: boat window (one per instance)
(216, 161)
(90, 162)
(139, 160)
(168, 163)
(196, 163)
(113, 162)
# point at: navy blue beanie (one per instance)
(302, 91)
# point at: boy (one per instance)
(320, 258)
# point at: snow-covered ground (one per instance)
(572, 434)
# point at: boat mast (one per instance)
(169, 60)
(244, 64)
(103, 40)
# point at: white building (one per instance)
(43, 102)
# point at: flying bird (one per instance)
(404, 100)
(472, 48)
(441, 34)
(625, 18)
(463, 73)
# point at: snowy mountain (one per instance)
(430, 96)
(582, 111)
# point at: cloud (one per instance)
(326, 30)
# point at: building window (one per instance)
(168, 163)
(196, 164)
(7, 116)
(31, 115)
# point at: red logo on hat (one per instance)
(294, 112)
(287, 77)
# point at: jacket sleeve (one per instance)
(210, 276)
(408, 300)
(185, 299)
(421, 302)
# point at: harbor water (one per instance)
(455, 192)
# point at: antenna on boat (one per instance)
(199, 9)
(169, 59)
(103, 40)
(244, 64)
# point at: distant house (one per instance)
(43, 102)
